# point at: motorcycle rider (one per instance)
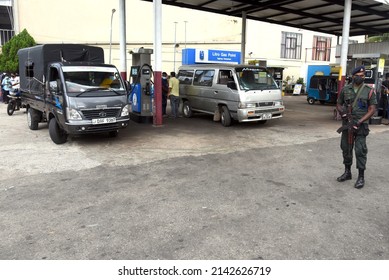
(6, 87)
(15, 88)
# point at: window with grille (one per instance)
(291, 45)
(321, 49)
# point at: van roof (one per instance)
(219, 65)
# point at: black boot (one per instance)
(361, 179)
(346, 175)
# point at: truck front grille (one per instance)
(265, 104)
(101, 113)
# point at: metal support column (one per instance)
(157, 112)
(123, 55)
(345, 41)
(243, 45)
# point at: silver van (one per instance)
(244, 93)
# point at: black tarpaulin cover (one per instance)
(33, 61)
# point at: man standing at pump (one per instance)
(356, 104)
(165, 91)
(174, 94)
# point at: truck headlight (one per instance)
(244, 105)
(279, 103)
(125, 111)
(73, 114)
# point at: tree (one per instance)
(376, 39)
(8, 58)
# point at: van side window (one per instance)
(185, 77)
(224, 77)
(203, 77)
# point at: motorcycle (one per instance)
(14, 104)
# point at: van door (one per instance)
(223, 94)
(204, 99)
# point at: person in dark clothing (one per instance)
(165, 91)
(384, 98)
(356, 104)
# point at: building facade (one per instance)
(89, 22)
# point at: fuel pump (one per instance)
(142, 90)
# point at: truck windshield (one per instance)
(255, 78)
(80, 79)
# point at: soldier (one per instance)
(356, 104)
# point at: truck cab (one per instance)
(75, 97)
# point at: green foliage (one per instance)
(376, 39)
(8, 58)
(300, 81)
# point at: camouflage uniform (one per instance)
(366, 98)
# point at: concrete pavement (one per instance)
(192, 189)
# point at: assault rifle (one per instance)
(350, 126)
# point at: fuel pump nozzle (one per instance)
(146, 89)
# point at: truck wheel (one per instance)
(32, 119)
(57, 135)
(11, 108)
(225, 116)
(187, 110)
(311, 101)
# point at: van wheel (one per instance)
(225, 116)
(311, 101)
(57, 135)
(187, 110)
(32, 119)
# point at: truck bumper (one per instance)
(88, 127)
(259, 114)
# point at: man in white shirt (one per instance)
(15, 81)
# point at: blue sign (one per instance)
(193, 56)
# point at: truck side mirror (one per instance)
(53, 87)
(128, 85)
(231, 85)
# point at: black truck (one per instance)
(69, 87)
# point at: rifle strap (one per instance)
(371, 93)
(358, 94)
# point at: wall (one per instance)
(88, 21)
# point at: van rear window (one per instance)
(185, 77)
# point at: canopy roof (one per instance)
(368, 17)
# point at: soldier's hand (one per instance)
(343, 113)
(356, 125)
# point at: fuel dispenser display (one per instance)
(141, 96)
